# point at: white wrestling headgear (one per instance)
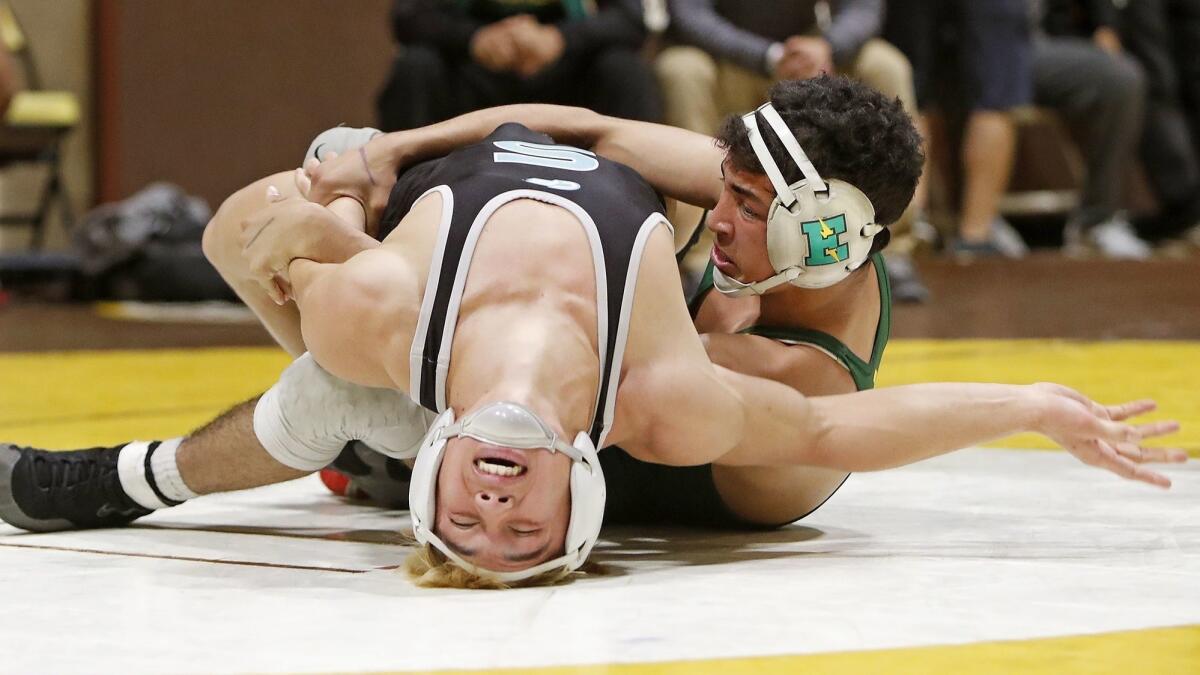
(511, 425)
(818, 231)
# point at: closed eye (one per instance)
(462, 524)
(524, 533)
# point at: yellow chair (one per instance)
(32, 131)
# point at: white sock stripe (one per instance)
(131, 470)
(166, 472)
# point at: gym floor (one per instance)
(991, 560)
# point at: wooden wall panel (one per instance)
(212, 94)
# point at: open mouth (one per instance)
(722, 261)
(496, 466)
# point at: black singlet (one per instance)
(616, 207)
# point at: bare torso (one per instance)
(527, 322)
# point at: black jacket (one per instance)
(1079, 17)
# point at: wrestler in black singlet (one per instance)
(620, 201)
(616, 207)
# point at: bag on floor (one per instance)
(147, 247)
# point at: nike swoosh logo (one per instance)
(107, 510)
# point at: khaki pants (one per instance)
(700, 91)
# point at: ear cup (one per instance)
(588, 495)
(422, 489)
(786, 246)
(827, 236)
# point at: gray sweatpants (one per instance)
(1103, 96)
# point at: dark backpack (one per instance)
(147, 247)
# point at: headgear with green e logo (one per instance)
(818, 231)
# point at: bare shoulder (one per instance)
(426, 210)
(356, 319)
(668, 384)
(678, 411)
(805, 368)
(658, 261)
(660, 327)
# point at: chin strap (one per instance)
(736, 289)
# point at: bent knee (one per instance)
(885, 68)
(221, 241)
(215, 240)
(690, 65)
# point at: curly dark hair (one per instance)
(849, 131)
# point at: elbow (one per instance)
(823, 446)
(830, 452)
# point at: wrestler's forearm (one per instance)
(680, 164)
(878, 429)
(575, 126)
(890, 427)
(348, 314)
(307, 279)
(339, 243)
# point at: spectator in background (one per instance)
(461, 55)
(1004, 60)
(1082, 75)
(728, 53)
(983, 48)
(1162, 35)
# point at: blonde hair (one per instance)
(430, 568)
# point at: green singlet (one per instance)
(640, 493)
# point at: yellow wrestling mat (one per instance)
(1169, 651)
(73, 399)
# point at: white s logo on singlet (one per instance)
(562, 157)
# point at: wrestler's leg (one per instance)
(772, 495)
(297, 427)
(226, 455)
(223, 248)
(222, 243)
(104, 487)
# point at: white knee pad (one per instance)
(339, 140)
(305, 419)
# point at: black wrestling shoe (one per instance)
(46, 491)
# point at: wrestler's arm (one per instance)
(884, 428)
(347, 313)
(680, 164)
(290, 227)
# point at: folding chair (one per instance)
(32, 132)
